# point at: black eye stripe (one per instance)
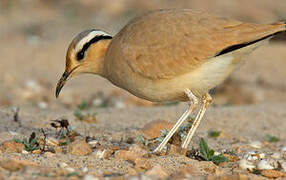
(80, 54)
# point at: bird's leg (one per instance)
(193, 102)
(206, 101)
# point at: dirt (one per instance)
(248, 113)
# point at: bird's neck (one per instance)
(98, 58)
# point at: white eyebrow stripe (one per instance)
(89, 37)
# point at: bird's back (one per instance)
(166, 43)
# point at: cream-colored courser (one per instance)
(168, 55)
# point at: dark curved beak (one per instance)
(62, 82)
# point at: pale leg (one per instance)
(192, 105)
(207, 99)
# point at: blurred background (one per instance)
(35, 34)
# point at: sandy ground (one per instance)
(34, 36)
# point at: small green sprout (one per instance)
(78, 114)
(214, 134)
(83, 106)
(31, 144)
(272, 139)
(72, 174)
(163, 134)
(143, 140)
(183, 131)
(208, 154)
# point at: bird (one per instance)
(168, 55)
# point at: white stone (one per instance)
(25, 152)
(255, 144)
(90, 177)
(283, 149)
(244, 164)
(283, 165)
(264, 164)
(276, 155)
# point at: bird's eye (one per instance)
(80, 55)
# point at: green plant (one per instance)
(31, 144)
(163, 134)
(208, 154)
(183, 131)
(78, 114)
(214, 134)
(143, 140)
(272, 139)
(83, 106)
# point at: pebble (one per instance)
(283, 166)
(63, 165)
(264, 164)
(93, 143)
(283, 149)
(69, 169)
(255, 144)
(272, 173)
(90, 177)
(158, 172)
(79, 148)
(102, 154)
(84, 169)
(25, 152)
(12, 146)
(142, 164)
(276, 155)
(253, 155)
(43, 105)
(153, 129)
(16, 165)
(49, 154)
(244, 164)
(126, 155)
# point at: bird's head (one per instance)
(85, 55)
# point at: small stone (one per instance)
(264, 164)
(16, 165)
(269, 173)
(276, 155)
(158, 172)
(63, 165)
(255, 144)
(126, 155)
(84, 169)
(89, 177)
(93, 143)
(142, 164)
(244, 164)
(25, 152)
(12, 146)
(283, 149)
(38, 151)
(58, 149)
(52, 142)
(70, 170)
(132, 171)
(103, 154)
(49, 154)
(153, 129)
(283, 166)
(79, 148)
